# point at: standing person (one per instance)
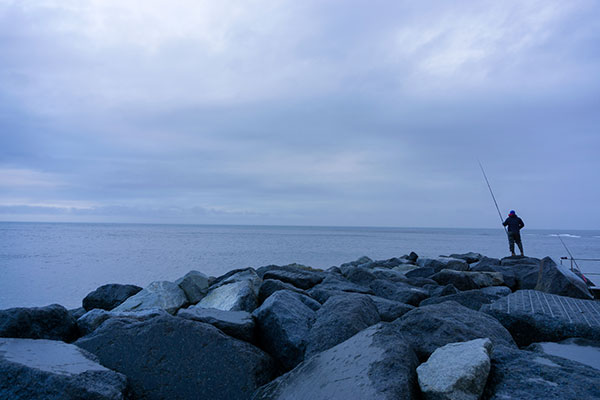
(514, 224)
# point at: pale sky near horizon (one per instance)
(281, 112)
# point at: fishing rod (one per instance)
(492, 193)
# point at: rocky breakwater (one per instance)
(409, 327)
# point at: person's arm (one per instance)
(505, 222)
(521, 223)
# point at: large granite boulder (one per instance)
(533, 316)
(399, 292)
(361, 276)
(238, 324)
(438, 291)
(557, 279)
(520, 374)
(472, 299)
(54, 370)
(508, 273)
(298, 275)
(441, 263)
(485, 262)
(167, 357)
(421, 272)
(335, 282)
(340, 318)
(456, 371)
(433, 326)
(236, 275)
(160, 294)
(91, 320)
(389, 310)
(469, 257)
(232, 296)
(107, 297)
(460, 280)
(486, 278)
(364, 260)
(283, 323)
(375, 364)
(50, 322)
(195, 286)
(525, 269)
(270, 286)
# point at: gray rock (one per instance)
(398, 292)
(91, 320)
(340, 318)
(107, 297)
(441, 263)
(357, 262)
(532, 316)
(375, 364)
(459, 279)
(298, 275)
(498, 291)
(238, 324)
(420, 282)
(76, 313)
(54, 370)
(50, 322)
(422, 272)
(433, 326)
(195, 286)
(472, 299)
(456, 371)
(283, 323)
(469, 257)
(236, 275)
(232, 296)
(557, 279)
(485, 262)
(160, 294)
(270, 286)
(392, 275)
(174, 358)
(508, 274)
(334, 282)
(525, 269)
(321, 295)
(438, 291)
(486, 278)
(519, 374)
(390, 310)
(361, 276)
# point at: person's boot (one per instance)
(512, 253)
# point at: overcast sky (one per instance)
(300, 112)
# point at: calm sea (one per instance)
(45, 263)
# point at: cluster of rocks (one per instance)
(452, 327)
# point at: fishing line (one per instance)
(492, 193)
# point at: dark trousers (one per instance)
(514, 237)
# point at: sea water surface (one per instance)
(45, 263)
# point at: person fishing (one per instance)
(514, 224)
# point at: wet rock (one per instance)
(195, 286)
(160, 294)
(456, 371)
(107, 297)
(300, 276)
(340, 318)
(399, 292)
(390, 310)
(50, 322)
(441, 263)
(557, 279)
(283, 323)
(532, 316)
(422, 272)
(53, 370)
(91, 320)
(375, 364)
(469, 257)
(174, 358)
(472, 299)
(575, 349)
(237, 324)
(459, 279)
(519, 374)
(232, 296)
(433, 326)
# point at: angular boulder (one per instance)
(486, 278)
(472, 299)
(195, 286)
(456, 371)
(433, 326)
(50, 322)
(525, 269)
(232, 296)
(361, 276)
(375, 364)
(160, 294)
(107, 297)
(485, 262)
(458, 279)
(340, 318)
(399, 292)
(508, 274)
(557, 279)
(300, 276)
(533, 316)
(270, 286)
(283, 323)
(53, 370)
(441, 263)
(390, 310)
(237, 324)
(422, 272)
(174, 358)
(469, 257)
(91, 320)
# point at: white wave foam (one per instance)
(564, 235)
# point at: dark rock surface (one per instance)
(508, 273)
(422, 272)
(460, 280)
(270, 286)
(174, 358)
(433, 326)
(340, 318)
(361, 276)
(91, 320)
(485, 262)
(50, 322)
(557, 279)
(398, 292)
(77, 312)
(375, 364)
(195, 286)
(283, 323)
(54, 370)
(437, 290)
(299, 276)
(107, 297)
(469, 257)
(389, 310)
(441, 263)
(238, 324)
(472, 299)
(389, 274)
(533, 316)
(520, 374)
